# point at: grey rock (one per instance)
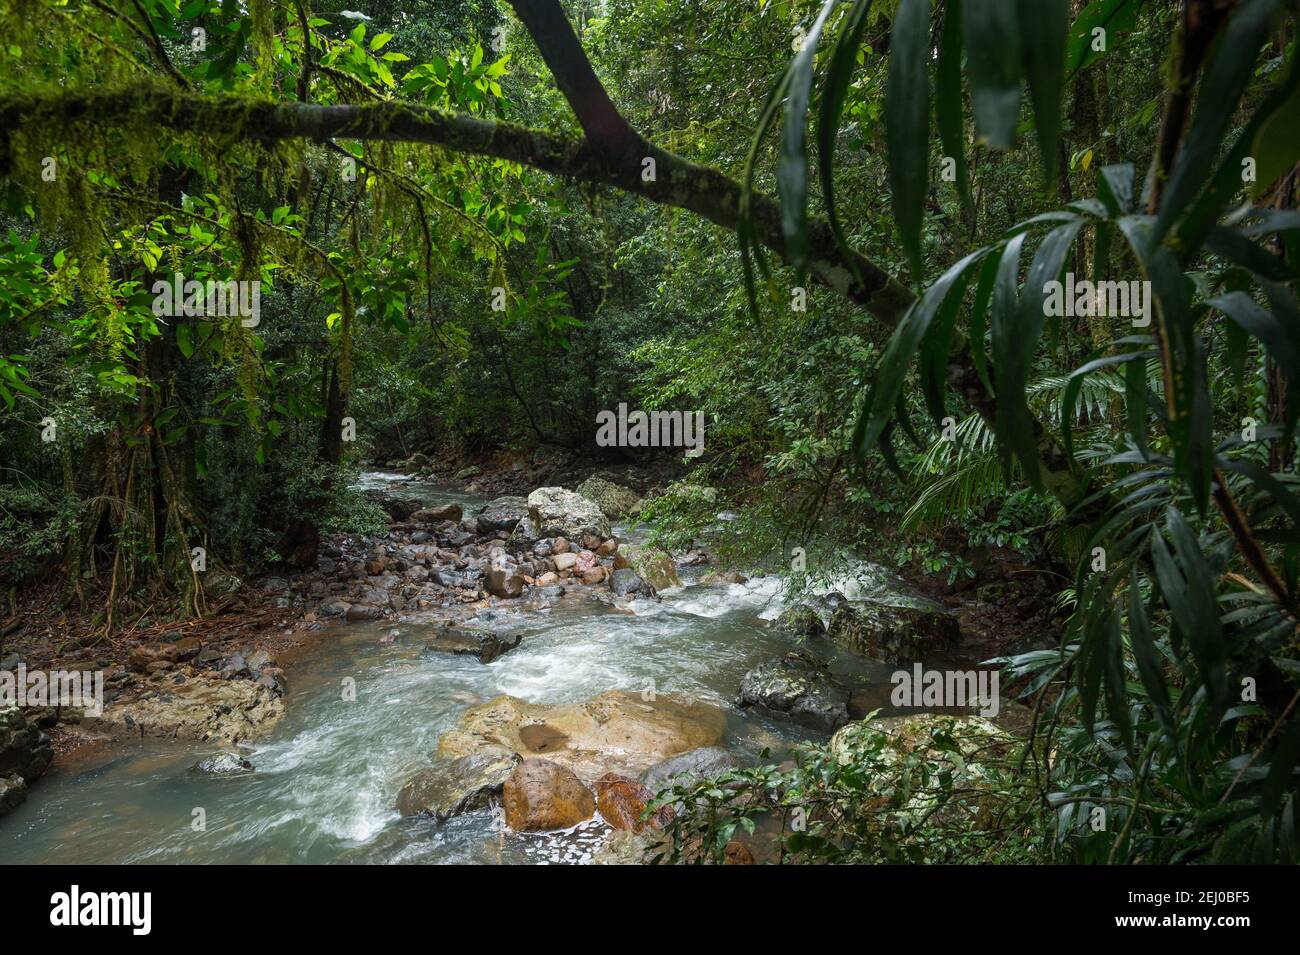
(223, 764)
(686, 768)
(556, 512)
(800, 685)
(625, 582)
(502, 514)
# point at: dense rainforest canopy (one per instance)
(862, 238)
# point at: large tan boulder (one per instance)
(617, 731)
(540, 795)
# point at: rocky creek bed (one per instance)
(504, 679)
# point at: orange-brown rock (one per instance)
(540, 795)
(622, 802)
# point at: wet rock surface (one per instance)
(616, 731)
(540, 795)
(199, 708)
(223, 764)
(456, 786)
(25, 754)
(799, 685)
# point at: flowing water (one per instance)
(328, 774)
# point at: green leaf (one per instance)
(1112, 16)
(379, 41)
(907, 121)
(880, 401)
(1277, 144)
(1115, 187)
(1225, 80)
(993, 61)
(183, 340)
(1070, 396)
(1017, 328)
(792, 166)
(949, 103)
(1148, 658)
(839, 73)
(1044, 25)
(1281, 341)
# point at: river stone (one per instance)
(25, 754)
(703, 763)
(622, 802)
(502, 514)
(436, 515)
(898, 635)
(616, 731)
(652, 565)
(800, 685)
(626, 583)
(12, 792)
(565, 561)
(539, 796)
(487, 645)
(614, 500)
(219, 711)
(358, 613)
(461, 785)
(803, 620)
(555, 512)
(223, 764)
(503, 582)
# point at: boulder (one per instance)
(503, 582)
(651, 564)
(614, 500)
(800, 685)
(540, 795)
(398, 509)
(487, 645)
(803, 620)
(565, 561)
(436, 515)
(626, 583)
(220, 711)
(622, 803)
(223, 764)
(357, 613)
(703, 763)
(13, 790)
(502, 514)
(25, 754)
(897, 635)
(617, 731)
(459, 785)
(555, 512)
